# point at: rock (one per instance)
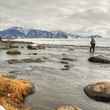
(31, 47)
(45, 58)
(13, 52)
(14, 46)
(34, 53)
(68, 107)
(9, 76)
(13, 61)
(99, 59)
(35, 46)
(68, 59)
(71, 49)
(27, 60)
(22, 46)
(66, 67)
(41, 46)
(64, 62)
(99, 91)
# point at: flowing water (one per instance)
(54, 86)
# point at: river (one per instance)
(54, 86)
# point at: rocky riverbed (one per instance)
(61, 77)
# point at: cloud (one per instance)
(67, 15)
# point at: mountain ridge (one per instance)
(20, 32)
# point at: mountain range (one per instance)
(19, 32)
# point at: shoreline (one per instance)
(52, 45)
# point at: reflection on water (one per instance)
(54, 86)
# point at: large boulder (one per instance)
(99, 91)
(68, 107)
(99, 59)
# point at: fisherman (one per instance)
(92, 47)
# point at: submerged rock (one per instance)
(9, 76)
(14, 61)
(68, 59)
(36, 46)
(68, 107)
(99, 59)
(31, 47)
(64, 62)
(13, 52)
(14, 46)
(71, 49)
(27, 60)
(66, 67)
(34, 53)
(99, 91)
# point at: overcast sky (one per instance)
(66, 15)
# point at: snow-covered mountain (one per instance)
(19, 32)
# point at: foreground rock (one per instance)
(99, 59)
(68, 107)
(99, 91)
(27, 60)
(13, 52)
(13, 93)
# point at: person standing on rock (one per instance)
(92, 43)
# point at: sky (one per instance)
(64, 15)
